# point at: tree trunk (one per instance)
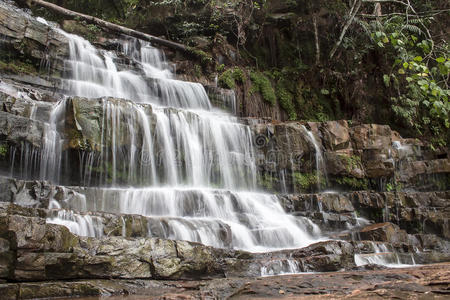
(110, 26)
(316, 39)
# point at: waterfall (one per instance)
(321, 168)
(382, 256)
(144, 143)
(256, 221)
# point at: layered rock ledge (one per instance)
(423, 282)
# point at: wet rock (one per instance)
(371, 136)
(9, 291)
(328, 202)
(334, 202)
(30, 266)
(16, 130)
(222, 98)
(29, 231)
(7, 259)
(326, 256)
(336, 135)
(384, 232)
(432, 242)
(344, 163)
(41, 40)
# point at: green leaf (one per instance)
(385, 40)
(401, 71)
(387, 80)
(418, 58)
(405, 65)
(440, 60)
(324, 92)
(380, 44)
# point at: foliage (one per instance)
(305, 181)
(285, 99)
(18, 67)
(229, 78)
(353, 162)
(3, 150)
(204, 57)
(353, 183)
(285, 90)
(263, 85)
(419, 76)
(267, 181)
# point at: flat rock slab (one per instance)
(422, 282)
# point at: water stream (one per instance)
(162, 152)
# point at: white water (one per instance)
(84, 225)
(280, 267)
(321, 169)
(95, 74)
(161, 152)
(383, 257)
(256, 221)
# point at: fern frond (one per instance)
(412, 28)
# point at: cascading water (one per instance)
(383, 256)
(255, 221)
(161, 152)
(321, 169)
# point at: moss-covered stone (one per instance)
(230, 77)
(307, 181)
(18, 67)
(267, 181)
(353, 183)
(3, 150)
(262, 84)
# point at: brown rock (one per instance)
(384, 232)
(335, 135)
(371, 136)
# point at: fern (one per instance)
(412, 28)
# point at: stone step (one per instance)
(206, 231)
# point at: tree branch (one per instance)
(110, 26)
(353, 12)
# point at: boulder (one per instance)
(15, 130)
(371, 137)
(384, 232)
(336, 135)
(344, 163)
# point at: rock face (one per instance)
(33, 249)
(390, 205)
(356, 157)
(429, 282)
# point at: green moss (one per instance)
(204, 57)
(18, 67)
(267, 181)
(285, 98)
(229, 78)
(220, 68)
(353, 183)
(90, 32)
(262, 85)
(3, 151)
(239, 75)
(353, 162)
(226, 79)
(197, 71)
(304, 182)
